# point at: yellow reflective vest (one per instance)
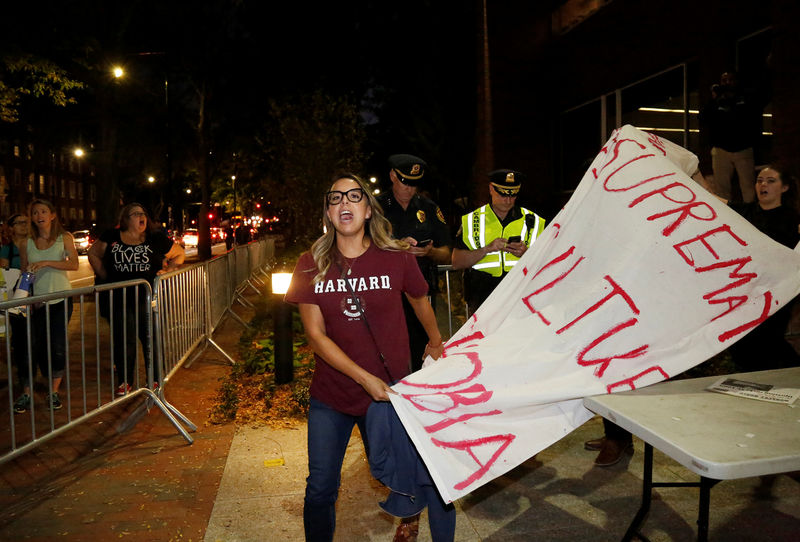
(481, 227)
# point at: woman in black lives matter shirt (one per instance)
(134, 250)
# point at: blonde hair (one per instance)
(378, 229)
(55, 230)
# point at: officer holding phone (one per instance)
(492, 238)
(418, 221)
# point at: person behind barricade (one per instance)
(10, 254)
(228, 235)
(137, 249)
(48, 254)
(493, 237)
(775, 215)
(242, 233)
(349, 289)
(418, 221)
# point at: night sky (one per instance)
(411, 63)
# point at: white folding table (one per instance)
(717, 436)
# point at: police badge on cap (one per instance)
(507, 182)
(408, 168)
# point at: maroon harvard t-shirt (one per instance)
(379, 278)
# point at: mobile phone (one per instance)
(514, 239)
(423, 243)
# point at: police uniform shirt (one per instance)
(478, 285)
(421, 220)
(511, 216)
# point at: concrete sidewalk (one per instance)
(557, 496)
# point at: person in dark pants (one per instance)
(49, 253)
(353, 331)
(228, 236)
(418, 221)
(137, 249)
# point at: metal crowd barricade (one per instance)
(449, 275)
(181, 313)
(241, 272)
(89, 385)
(191, 302)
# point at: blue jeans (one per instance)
(328, 434)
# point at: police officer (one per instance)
(492, 238)
(418, 221)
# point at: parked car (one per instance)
(83, 240)
(189, 238)
(217, 235)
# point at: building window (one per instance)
(80, 191)
(72, 190)
(665, 103)
(94, 215)
(16, 151)
(63, 188)
(31, 182)
(73, 213)
(29, 154)
(580, 137)
(92, 194)
(80, 214)
(42, 185)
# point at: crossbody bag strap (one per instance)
(357, 301)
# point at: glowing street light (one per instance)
(151, 179)
(282, 318)
(118, 72)
(78, 152)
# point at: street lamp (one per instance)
(78, 152)
(118, 72)
(233, 184)
(282, 319)
(151, 179)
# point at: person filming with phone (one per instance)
(493, 237)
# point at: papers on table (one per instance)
(754, 390)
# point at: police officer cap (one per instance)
(408, 168)
(507, 182)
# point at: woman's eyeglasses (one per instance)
(334, 197)
(136, 214)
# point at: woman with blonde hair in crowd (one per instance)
(49, 253)
(349, 289)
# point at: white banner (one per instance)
(641, 276)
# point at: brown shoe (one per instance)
(612, 452)
(408, 530)
(594, 445)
